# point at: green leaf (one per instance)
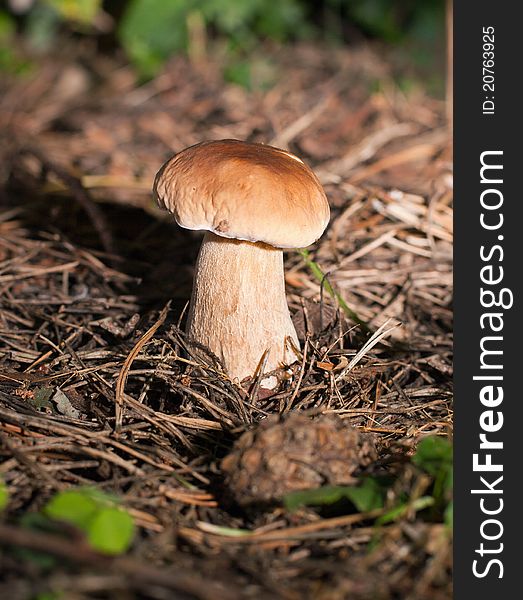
(230, 15)
(72, 506)
(7, 27)
(4, 495)
(81, 11)
(316, 497)
(282, 20)
(239, 72)
(400, 510)
(111, 531)
(101, 498)
(367, 496)
(433, 454)
(449, 515)
(377, 17)
(152, 30)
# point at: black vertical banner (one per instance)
(488, 250)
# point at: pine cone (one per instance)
(283, 455)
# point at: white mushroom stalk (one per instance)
(238, 307)
(253, 200)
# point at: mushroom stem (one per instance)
(238, 307)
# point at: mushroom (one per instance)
(253, 201)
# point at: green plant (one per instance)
(325, 283)
(79, 11)
(108, 528)
(10, 60)
(4, 495)
(369, 495)
(152, 30)
(433, 456)
(390, 20)
(43, 21)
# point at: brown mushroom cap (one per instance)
(244, 191)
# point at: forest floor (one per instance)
(98, 386)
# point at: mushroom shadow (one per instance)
(155, 254)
